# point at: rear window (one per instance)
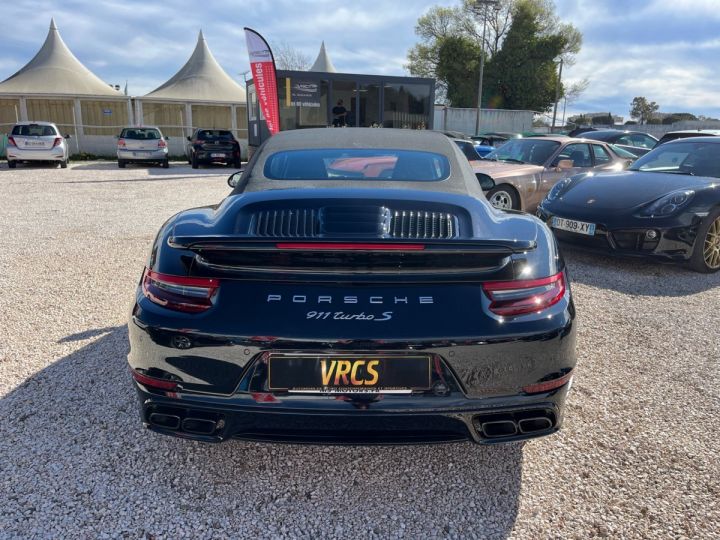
(140, 134)
(34, 130)
(215, 134)
(357, 164)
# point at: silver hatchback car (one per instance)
(142, 144)
(37, 141)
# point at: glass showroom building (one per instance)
(307, 99)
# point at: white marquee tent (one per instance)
(201, 94)
(55, 86)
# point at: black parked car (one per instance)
(206, 146)
(635, 142)
(686, 134)
(666, 205)
(355, 287)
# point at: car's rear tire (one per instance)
(12, 164)
(194, 161)
(166, 164)
(706, 253)
(121, 163)
(504, 197)
(237, 163)
(63, 164)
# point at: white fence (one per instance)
(464, 120)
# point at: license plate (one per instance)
(573, 225)
(217, 155)
(348, 374)
(34, 143)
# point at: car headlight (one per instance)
(557, 189)
(668, 204)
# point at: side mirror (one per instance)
(486, 182)
(67, 135)
(189, 138)
(234, 179)
(564, 164)
(167, 138)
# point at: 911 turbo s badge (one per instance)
(342, 316)
(349, 300)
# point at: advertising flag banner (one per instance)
(262, 65)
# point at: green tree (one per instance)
(458, 66)
(467, 19)
(523, 73)
(678, 117)
(642, 109)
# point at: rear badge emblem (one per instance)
(590, 201)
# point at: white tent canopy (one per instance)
(323, 62)
(55, 70)
(201, 79)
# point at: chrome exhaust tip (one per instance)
(165, 421)
(499, 428)
(199, 426)
(533, 425)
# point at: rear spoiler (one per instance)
(200, 243)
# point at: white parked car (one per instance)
(142, 144)
(37, 141)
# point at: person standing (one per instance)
(339, 114)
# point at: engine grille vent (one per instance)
(293, 223)
(423, 225)
(331, 221)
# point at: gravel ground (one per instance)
(638, 457)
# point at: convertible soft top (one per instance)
(461, 180)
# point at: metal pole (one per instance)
(482, 70)
(564, 109)
(557, 97)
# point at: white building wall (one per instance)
(464, 120)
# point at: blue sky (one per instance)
(666, 50)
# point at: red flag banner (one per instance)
(262, 64)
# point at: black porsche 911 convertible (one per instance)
(665, 205)
(355, 287)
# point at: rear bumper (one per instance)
(139, 156)
(222, 386)
(51, 154)
(210, 156)
(378, 419)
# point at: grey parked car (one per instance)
(142, 144)
(635, 142)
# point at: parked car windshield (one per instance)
(533, 151)
(215, 134)
(621, 152)
(469, 151)
(34, 130)
(357, 163)
(693, 158)
(140, 134)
